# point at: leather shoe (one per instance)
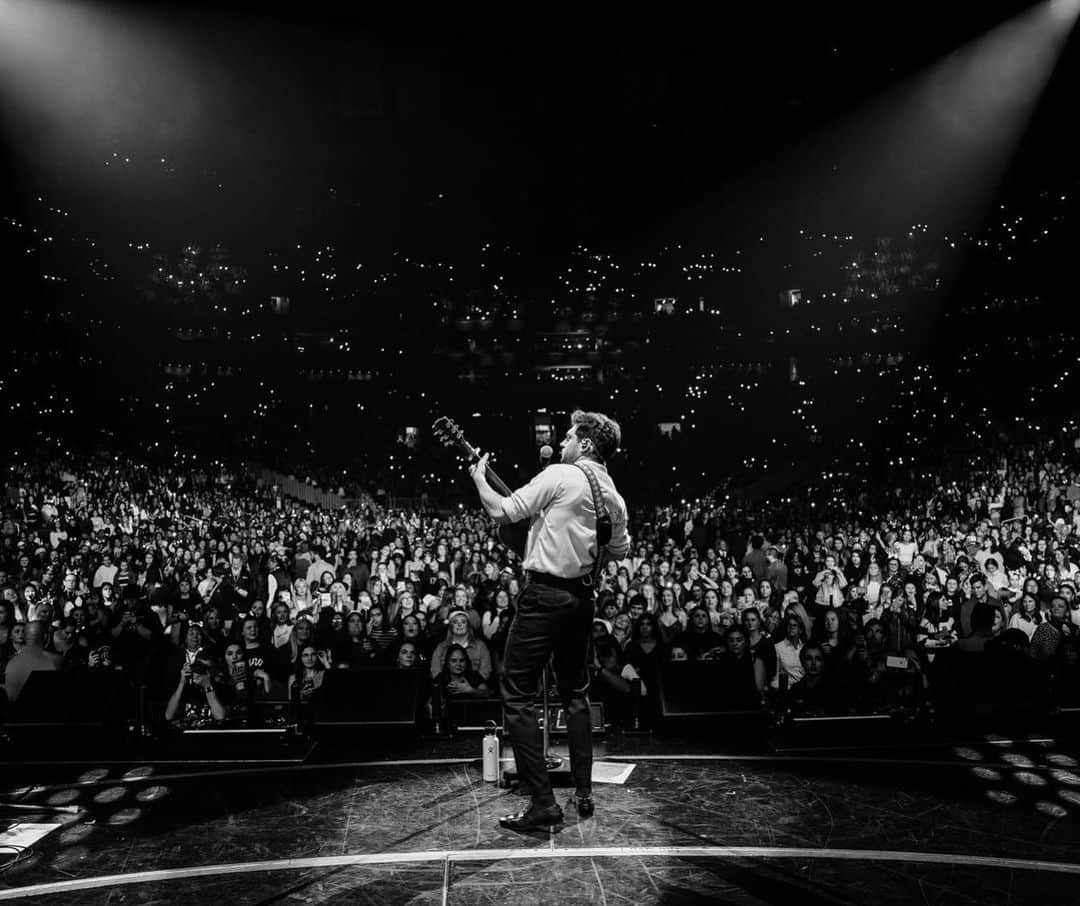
(586, 806)
(533, 819)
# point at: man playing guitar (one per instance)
(571, 532)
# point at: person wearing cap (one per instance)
(555, 610)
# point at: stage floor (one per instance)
(997, 821)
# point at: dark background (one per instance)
(537, 130)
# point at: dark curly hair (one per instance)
(604, 432)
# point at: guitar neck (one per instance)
(451, 435)
(497, 483)
(493, 479)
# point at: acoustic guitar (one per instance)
(513, 534)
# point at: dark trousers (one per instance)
(549, 620)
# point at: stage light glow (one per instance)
(988, 89)
(1065, 12)
(77, 73)
(112, 794)
(75, 833)
(1052, 809)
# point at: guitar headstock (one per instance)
(450, 434)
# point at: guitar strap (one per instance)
(603, 523)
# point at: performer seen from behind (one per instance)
(578, 519)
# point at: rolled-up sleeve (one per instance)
(619, 546)
(533, 498)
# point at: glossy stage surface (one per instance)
(996, 821)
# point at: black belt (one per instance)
(576, 586)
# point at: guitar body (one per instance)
(513, 534)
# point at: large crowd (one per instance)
(212, 593)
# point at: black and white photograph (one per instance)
(549, 454)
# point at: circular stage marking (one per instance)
(417, 762)
(497, 855)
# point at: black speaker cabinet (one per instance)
(382, 696)
(84, 698)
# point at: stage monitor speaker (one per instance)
(557, 714)
(699, 689)
(382, 696)
(596, 713)
(84, 698)
(474, 714)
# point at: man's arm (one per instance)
(619, 545)
(523, 503)
(489, 497)
(174, 700)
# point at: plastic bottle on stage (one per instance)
(491, 752)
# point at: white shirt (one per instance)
(105, 574)
(905, 552)
(1016, 621)
(562, 537)
(789, 662)
(315, 571)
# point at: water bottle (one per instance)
(491, 752)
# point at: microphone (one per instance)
(545, 456)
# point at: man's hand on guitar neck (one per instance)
(489, 497)
(478, 470)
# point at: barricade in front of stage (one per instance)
(691, 697)
(969, 695)
(103, 713)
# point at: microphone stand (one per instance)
(552, 761)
